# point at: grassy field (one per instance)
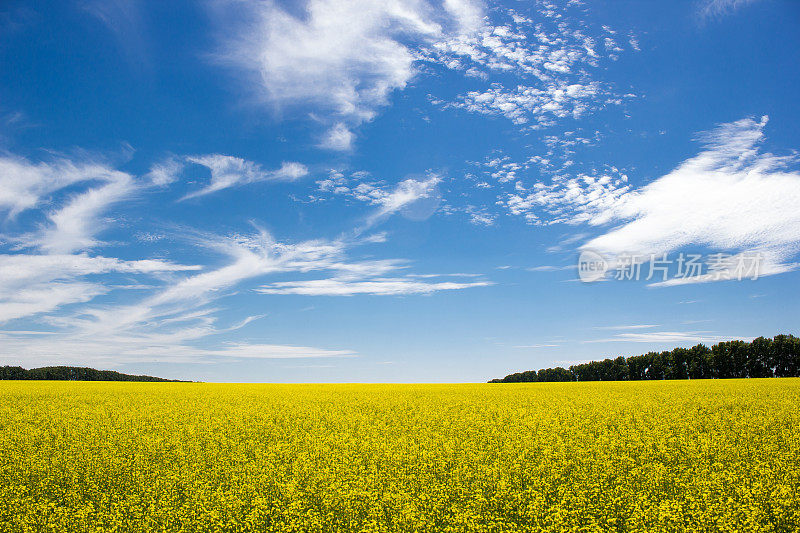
(638, 456)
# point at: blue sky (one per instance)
(391, 191)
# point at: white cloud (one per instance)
(741, 266)
(730, 197)
(549, 268)
(571, 200)
(630, 326)
(480, 216)
(671, 337)
(364, 277)
(81, 305)
(566, 241)
(35, 284)
(376, 286)
(467, 14)
(716, 8)
(414, 198)
(57, 290)
(341, 58)
(24, 185)
(339, 137)
(228, 171)
(537, 346)
(552, 64)
(417, 199)
(71, 226)
(26, 269)
(523, 104)
(44, 297)
(42, 350)
(178, 317)
(74, 225)
(166, 324)
(276, 351)
(166, 172)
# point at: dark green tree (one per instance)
(637, 367)
(657, 367)
(676, 363)
(759, 358)
(698, 362)
(785, 355)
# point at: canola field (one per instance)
(639, 456)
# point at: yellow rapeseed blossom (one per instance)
(581, 457)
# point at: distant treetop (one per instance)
(761, 358)
(70, 373)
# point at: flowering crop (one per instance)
(696, 455)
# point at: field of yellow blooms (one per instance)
(639, 456)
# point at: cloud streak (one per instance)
(376, 286)
(228, 171)
(671, 337)
(414, 198)
(35, 284)
(25, 185)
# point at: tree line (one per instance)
(70, 373)
(761, 358)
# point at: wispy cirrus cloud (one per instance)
(178, 318)
(340, 58)
(537, 346)
(74, 218)
(748, 265)
(75, 305)
(549, 268)
(415, 198)
(167, 323)
(126, 21)
(34, 284)
(73, 227)
(628, 326)
(345, 286)
(228, 171)
(731, 197)
(25, 184)
(671, 337)
(716, 8)
(25, 269)
(55, 286)
(36, 350)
